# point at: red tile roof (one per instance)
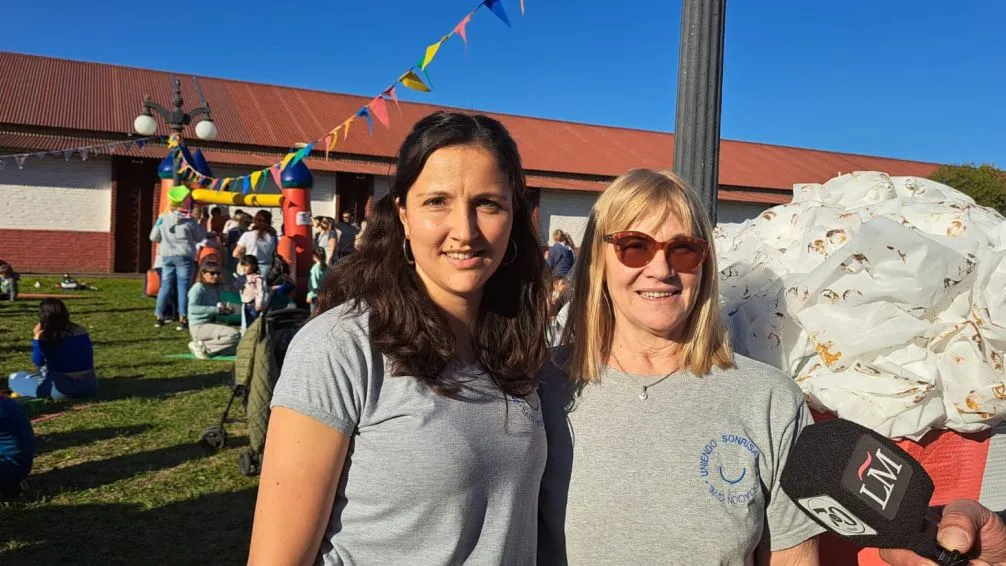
(95, 100)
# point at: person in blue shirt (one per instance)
(209, 337)
(62, 352)
(561, 256)
(17, 447)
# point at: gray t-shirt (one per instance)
(429, 479)
(688, 476)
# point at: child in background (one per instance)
(8, 282)
(318, 271)
(252, 287)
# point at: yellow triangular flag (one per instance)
(431, 52)
(412, 80)
(224, 183)
(335, 138)
(345, 125)
(286, 160)
(255, 179)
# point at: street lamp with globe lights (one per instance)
(176, 118)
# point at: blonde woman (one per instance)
(664, 447)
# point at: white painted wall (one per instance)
(735, 212)
(54, 194)
(565, 210)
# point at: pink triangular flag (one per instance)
(275, 171)
(391, 92)
(460, 28)
(327, 142)
(379, 108)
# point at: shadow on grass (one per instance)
(97, 473)
(139, 386)
(211, 529)
(71, 438)
(122, 342)
(111, 310)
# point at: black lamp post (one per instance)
(700, 93)
(176, 118)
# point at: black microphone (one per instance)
(863, 487)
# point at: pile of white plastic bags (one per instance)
(884, 297)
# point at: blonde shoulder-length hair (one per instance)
(637, 194)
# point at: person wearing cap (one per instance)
(177, 233)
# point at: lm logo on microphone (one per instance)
(878, 477)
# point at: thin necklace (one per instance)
(643, 395)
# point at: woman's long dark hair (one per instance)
(508, 334)
(54, 320)
(262, 224)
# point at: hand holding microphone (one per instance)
(866, 489)
(965, 526)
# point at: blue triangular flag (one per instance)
(245, 185)
(139, 143)
(497, 7)
(370, 123)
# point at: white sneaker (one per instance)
(198, 350)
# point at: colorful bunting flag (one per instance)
(370, 123)
(417, 78)
(412, 80)
(225, 182)
(431, 52)
(19, 159)
(275, 170)
(497, 8)
(460, 29)
(3, 165)
(83, 154)
(345, 127)
(379, 108)
(391, 92)
(329, 141)
(254, 180)
(67, 153)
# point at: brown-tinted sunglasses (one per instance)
(636, 249)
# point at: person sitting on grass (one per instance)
(64, 355)
(8, 282)
(208, 337)
(17, 448)
(317, 275)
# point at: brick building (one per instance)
(94, 215)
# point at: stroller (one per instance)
(260, 356)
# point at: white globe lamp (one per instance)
(145, 125)
(206, 130)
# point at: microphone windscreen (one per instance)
(858, 484)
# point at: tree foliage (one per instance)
(984, 183)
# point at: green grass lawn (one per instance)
(121, 479)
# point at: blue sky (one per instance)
(915, 79)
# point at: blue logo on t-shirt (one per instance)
(533, 413)
(728, 466)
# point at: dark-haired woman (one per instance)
(406, 428)
(62, 352)
(260, 242)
